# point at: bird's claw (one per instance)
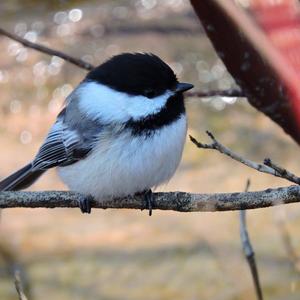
(85, 204)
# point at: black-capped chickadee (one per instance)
(121, 132)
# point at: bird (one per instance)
(120, 132)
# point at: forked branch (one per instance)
(267, 166)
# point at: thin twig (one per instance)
(267, 167)
(281, 172)
(215, 93)
(73, 60)
(248, 250)
(177, 201)
(19, 286)
(163, 29)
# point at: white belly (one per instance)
(127, 165)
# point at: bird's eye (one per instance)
(149, 93)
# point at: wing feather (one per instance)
(63, 146)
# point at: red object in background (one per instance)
(261, 48)
(281, 23)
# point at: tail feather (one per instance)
(21, 179)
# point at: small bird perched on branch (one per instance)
(121, 132)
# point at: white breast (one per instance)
(128, 164)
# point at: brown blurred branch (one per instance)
(73, 60)
(267, 166)
(177, 201)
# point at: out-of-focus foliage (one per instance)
(126, 254)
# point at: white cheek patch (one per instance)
(140, 106)
(101, 102)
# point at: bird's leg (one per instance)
(148, 198)
(84, 203)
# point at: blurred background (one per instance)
(122, 254)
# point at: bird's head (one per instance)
(130, 86)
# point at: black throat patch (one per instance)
(171, 112)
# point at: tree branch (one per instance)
(225, 93)
(75, 61)
(267, 166)
(248, 250)
(177, 201)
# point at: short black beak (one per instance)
(183, 87)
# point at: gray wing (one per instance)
(67, 142)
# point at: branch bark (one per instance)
(176, 201)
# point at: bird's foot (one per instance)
(85, 204)
(148, 198)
